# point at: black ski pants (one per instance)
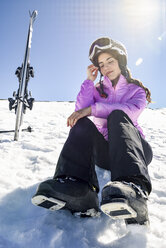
(126, 154)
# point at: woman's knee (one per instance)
(83, 127)
(84, 123)
(147, 151)
(116, 115)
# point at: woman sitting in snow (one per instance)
(113, 141)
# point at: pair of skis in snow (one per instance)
(22, 98)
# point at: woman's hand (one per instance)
(92, 72)
(73, 118)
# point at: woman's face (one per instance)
(109, 66)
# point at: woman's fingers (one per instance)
(95, 71)
(92, 72)
(73, 118)
(92, 68)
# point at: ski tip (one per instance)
(33, 14)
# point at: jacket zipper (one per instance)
(114, 95)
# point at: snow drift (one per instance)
(33, 159)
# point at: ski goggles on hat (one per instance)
(103, 44)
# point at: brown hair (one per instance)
(131, 80)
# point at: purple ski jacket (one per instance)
(129, 98)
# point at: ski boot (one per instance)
(68, 193)
(123, 200)
(30, 102)
(11, 103)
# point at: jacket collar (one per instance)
(121, 82)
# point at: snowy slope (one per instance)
(33, 159)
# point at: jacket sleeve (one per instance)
(132, 107)
(85, 96)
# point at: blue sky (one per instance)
(63, 33)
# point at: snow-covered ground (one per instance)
(33, 158)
